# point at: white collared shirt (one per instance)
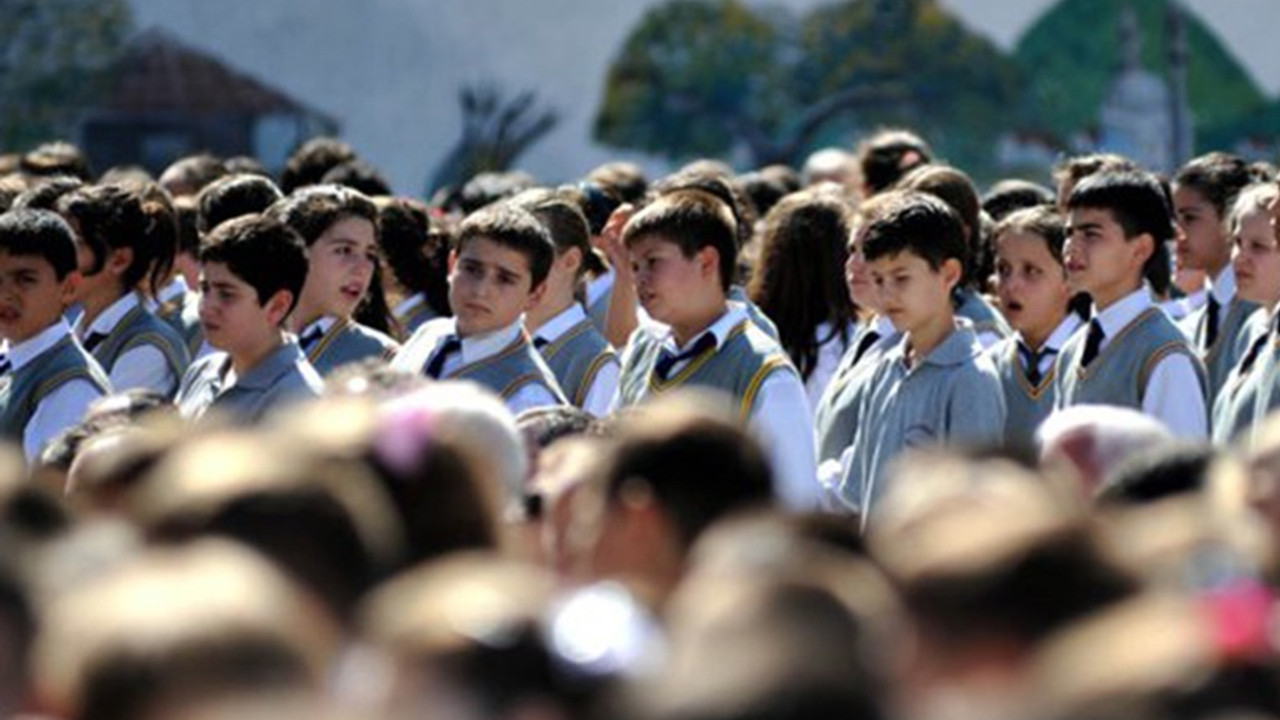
(831, 347)
(142, 367)
(175, 288)
(1167, 397)
(60, 409)
(322, 323)
(404, 306)
(478, 347)
(598, 287)
(781, 420)
(1068, 327)
(599, 397)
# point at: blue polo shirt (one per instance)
(283, 377)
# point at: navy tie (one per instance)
(451, 345)
(1031, 359)
(540, 342)
(1093, 343)
(868, 339)
(310, 338)
(667, 360)
(5, 365)
(94, 340)
(1211, 322)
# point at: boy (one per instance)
(683, 250)
(51, 380)
(1035, 298)
(115, 252)
(251, 270)
(584, 364)
(340, 227)
(1132, 355)
(497, 272)
(935, 385)
(1203, 191)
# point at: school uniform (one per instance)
(412, 313)
(1248, 394)
(1027, 376)
(1179, 308)
(1215, 329)
(599, 291)
(179, 306)
(950, 396)
(135, 348)
(330, 343)
(1142, 361)
(584, 363)
(835, 417)
(738, 294)
(733, 355)
(832, 346)
(988, 323)
(281, 378)
(48, 385)
(502, 360)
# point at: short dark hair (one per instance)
(41, 233)
(889, 154)
(314, 209)
(624, 180)
(191, 174)
(110, 217)
(56, 158)
(358, 175)
(918, 223)
(563, 219)
(262, 251)
(512, 227)
(699, 465)
(1218, 176)
(1140, 203)
(315, 157)
(232, 196)
(45, 193)
(1042, 221)
(1013, 194)
(1077, 168)
(692, 220)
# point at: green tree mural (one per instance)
(53, 54)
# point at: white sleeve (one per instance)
(600, 396)
(1169, 397)
(59, 410)
(143, 367)
(531, 395)
(784, 425)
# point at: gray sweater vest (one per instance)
(21, 392)
(576, 357)
(138, 328)
(1229, 345)
(348, 342)
(1027, 405)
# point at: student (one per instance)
(340, 227)
(935, 386)
(116, 252)
(584, 363)
(798, 282)
(251, 270)
(887, 155)
(417, 262)
(683, 249)
(1203, 192)
(51, 380)
(1246, 395)
(836, 415)
(496, 273)
(1132, 355)
(956, 189)
(1036, 300)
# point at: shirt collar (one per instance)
(277, 363)
(115, 312)
(960, 346)
(409, 303)
(1062, 333)
(176, 288)
(736, 313)
(479, 347)
(24, 352)
(883, 325)
(1223, 287)
(324, 322)
(1123, 311)
(552, 329)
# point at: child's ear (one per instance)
(535, 295)
(708, 261)
(453, 260)
(70, 284)
(119, 260)
(570, 259)
(1143, 247)
(951, 271)
(278, 307)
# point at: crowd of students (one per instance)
(849, 441)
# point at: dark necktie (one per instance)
(668, 360)
(451, 345)
(5, 365)
(1211, 322)
(1093, 343)
(1251, 356)
(865, 344)
(540, 342)
(94, 339)
(310, 338)
(1031, 360)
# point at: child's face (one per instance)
(1202, 242)
(31, 296)
(340, 268)
(857, 275)
(1257, 258)
(232, 318)
(1100, 260)
(490, 286)
(1032, 285)
(665, 277)
(910, 293)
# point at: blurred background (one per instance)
(432, 91)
